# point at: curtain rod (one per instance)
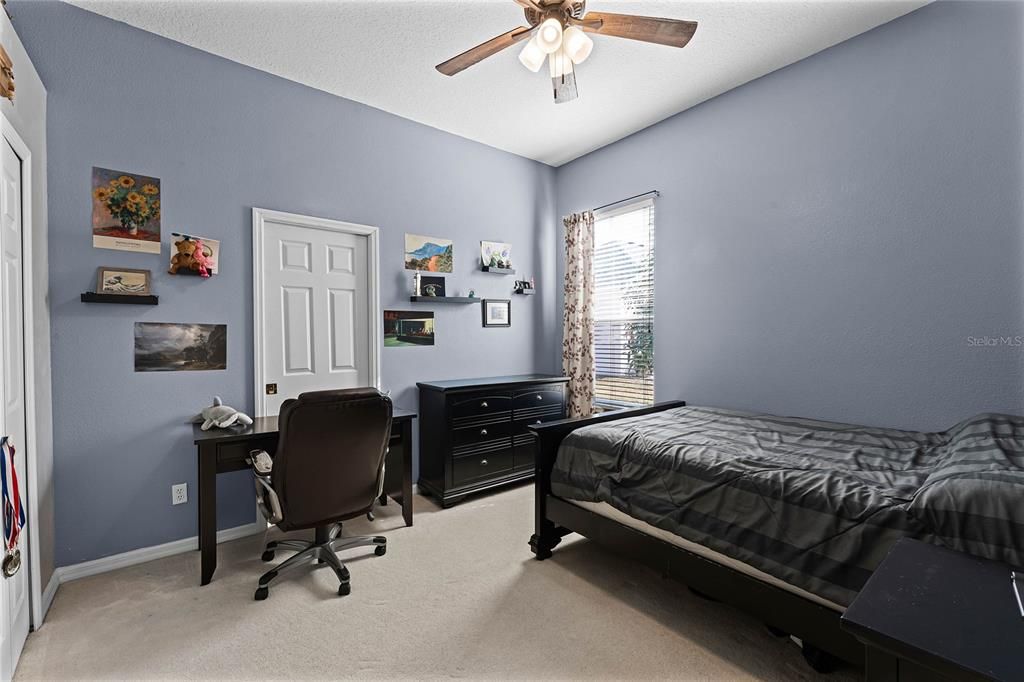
(652, 193)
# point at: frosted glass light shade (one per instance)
(549, 36)
(576, 44)
(559, 64)
(532, 56)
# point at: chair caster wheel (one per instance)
(370, 516)
(344, 589)
(776, 632)
(261, 593)
(268, 555)
(381, 550)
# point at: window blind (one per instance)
(624, 305)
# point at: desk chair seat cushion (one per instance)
(330, 456)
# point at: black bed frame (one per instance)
(782, 611)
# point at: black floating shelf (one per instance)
(527, 292)
(444, 299)
(498, 271)
(130, 299)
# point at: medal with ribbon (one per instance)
(13, 510)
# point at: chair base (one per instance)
(325, 552)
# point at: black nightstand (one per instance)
(929, 613)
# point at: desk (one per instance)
(928, 613)
(223, 450)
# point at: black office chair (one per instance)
(329, 467)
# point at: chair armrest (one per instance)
(262, 466)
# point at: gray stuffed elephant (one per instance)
(220, 415)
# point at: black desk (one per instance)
(929, 613)
(223, 450)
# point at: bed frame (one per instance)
(783, 612)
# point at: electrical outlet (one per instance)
(179, 493)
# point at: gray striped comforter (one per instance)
(816, 504)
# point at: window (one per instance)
(624, 305)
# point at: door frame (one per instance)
(261, 216)
(35, 585)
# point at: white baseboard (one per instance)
(144, 554)
(49, 592)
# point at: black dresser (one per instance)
(473, 432)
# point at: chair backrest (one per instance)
(330, 455)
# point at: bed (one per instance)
(782, 516)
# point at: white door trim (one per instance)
(32, 439)
(260, 216)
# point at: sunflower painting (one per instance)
(125, 211)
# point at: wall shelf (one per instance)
(130, 299)
(526, 292)
(497, 271)
(444, 299)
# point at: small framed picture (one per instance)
(125, 281)
(432, 286)
(497, 312)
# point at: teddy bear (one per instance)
(185, 258)
(221, 416)
(201, 262)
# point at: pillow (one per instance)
(973, 500)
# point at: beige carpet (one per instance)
(458, 595)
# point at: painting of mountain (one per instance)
(431, 254)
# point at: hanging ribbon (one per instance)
(13, 510)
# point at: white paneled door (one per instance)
(316, 307)
(14, 599)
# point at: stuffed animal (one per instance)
(220, 415)
(185, 258)
(200, 262)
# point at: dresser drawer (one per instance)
(479, 404)
(521, 425)
(481, 466)
(481, 433)
(537, 396)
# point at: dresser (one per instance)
(474, 435)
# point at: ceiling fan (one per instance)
(558, 31)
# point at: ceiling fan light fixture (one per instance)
(532, 57)
(549, 36)
(577, 44)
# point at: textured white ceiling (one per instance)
(383, 52)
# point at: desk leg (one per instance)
(407, 471)
(207, 511)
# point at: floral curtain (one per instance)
(578, 318)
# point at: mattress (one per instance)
(816, 505)
(609, 512)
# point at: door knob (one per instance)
(483, 462)
(483, 432)
(484, 404)
(538, 422)
(540, 397)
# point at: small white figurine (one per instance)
(221, 416)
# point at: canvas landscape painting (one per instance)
(431, 254)
(408, 328)
(125, 211)
(172, 347)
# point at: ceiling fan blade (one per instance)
(672, 32)
(484, 50)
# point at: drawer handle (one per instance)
(483, 405)
(483, 432)
(540, 397)
(538, 422)
(483, 462)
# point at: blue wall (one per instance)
(830, 235)
(224, 138)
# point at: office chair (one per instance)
(329, 467)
